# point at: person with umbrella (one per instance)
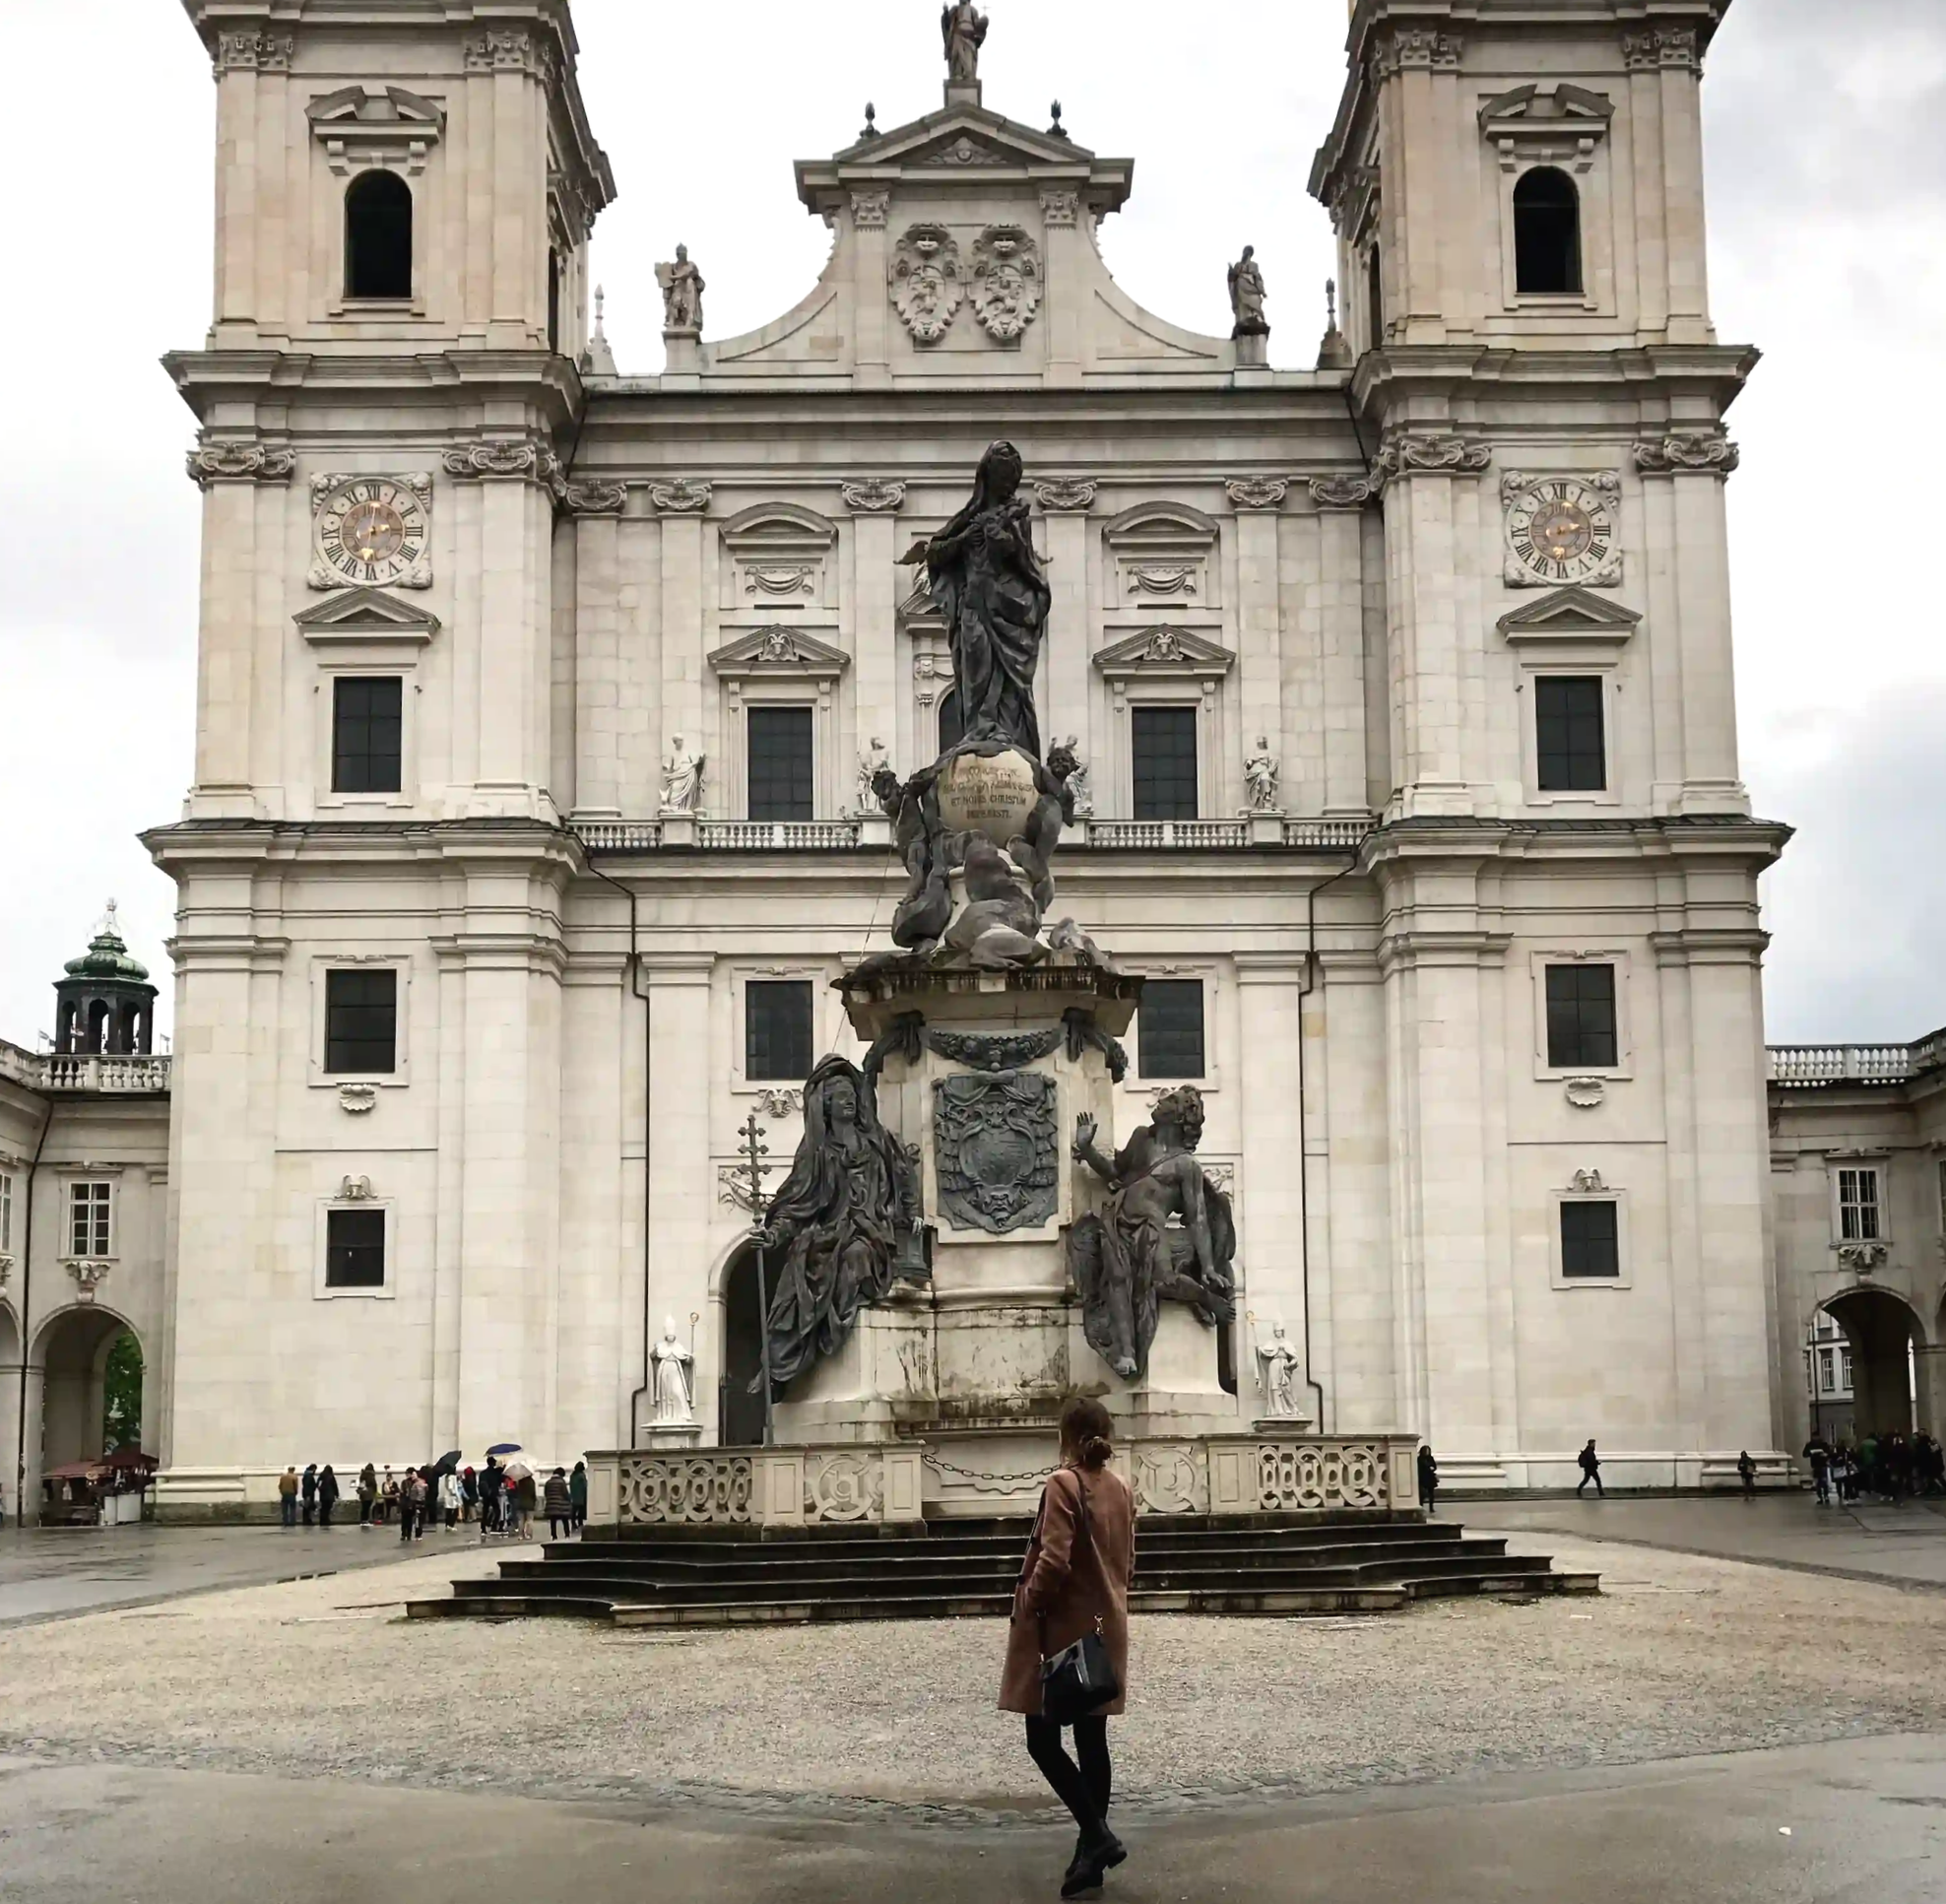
(522, 1499)
(446, 1481)
(501, 1488)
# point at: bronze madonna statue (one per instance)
(832, 1236)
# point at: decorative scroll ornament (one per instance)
(354, 1190)
(517, 458)
(1707, 454)
(1418, 47)
(1257, 491)
(1064, 495)
(89, 1276)
(926, 285)
(1342, 492)
(994, 1050)
(997, 1147)
(241, 463)
(597, 499)
(1862, 1258)
(1588, 1183)
(1431, 455)
(685, 496)
(1006, 282)
(732, 1185)
(1060, 208)
(510, 49)
(781, 1104)
(873, 497)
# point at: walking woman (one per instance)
(1074, 1581)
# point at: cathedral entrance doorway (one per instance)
(1888, 1343)
(739, 1413)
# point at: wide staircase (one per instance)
(960, 1570)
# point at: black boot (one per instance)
(1094, 1858)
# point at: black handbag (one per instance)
(1081, 1679)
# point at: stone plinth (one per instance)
(883, 1375)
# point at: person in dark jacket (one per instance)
(468, 1493)
(559, 1505)
(1074, 1581)
(327, 1494)
(1746, 1472)
(1428, 1477)
(1816, 1450)
(577, 1493)
(367, 1493)
(1591, 1467)
(408, 1504)
(310, 1493)
(493, 1495)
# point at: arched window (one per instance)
(953, 725)
(378, 237)
(1546, 233)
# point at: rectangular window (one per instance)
(1858, 1207)
(1828, 1371)
(367, 725)
(777, 1030)
(361, 1022)
(1570, 746)
(6, 1212)
(355, 1249)
(1591, 1244)
(1169, 1028)
(1163, 742)
(1845, 1371)
(780, 772)
(90, 1206)
(1581, 1018)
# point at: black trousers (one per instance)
(1598, 1488)
(1084, 1789)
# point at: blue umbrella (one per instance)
(504, 1448)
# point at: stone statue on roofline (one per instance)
(1247, 296)
(963, 27)
(682, 294)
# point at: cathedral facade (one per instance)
(540, 704)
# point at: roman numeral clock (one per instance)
(1561, 529)
(370, 530)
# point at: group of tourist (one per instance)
(504, 1498)
(1881, 1467)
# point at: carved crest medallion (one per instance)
(1006, 282)
(998, 1148)
(926, 285)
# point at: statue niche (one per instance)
(1132, 1258)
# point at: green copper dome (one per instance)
(107, 956)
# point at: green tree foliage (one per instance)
(123, 1416)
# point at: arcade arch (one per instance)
(1889, 1346)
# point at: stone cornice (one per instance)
(550, 384)
(1394, 375)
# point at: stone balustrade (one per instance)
(1100, 835)
(1301, 1476)
(129, 1075)
(1858, 1064)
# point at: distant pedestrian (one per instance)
(1074, 1585)
(408, 1505)
(287, 1496)
(327, 1495)
(492, 1496)
(1816, 1450)
(577, 1493)
(388, 1497)
(367, 1494)
(1428, 1477)
(526, 1499)
(449, 1498)
(1746, 1472)
(468, 1493)
(310, 1486)
(1590, 1471)
(1867, 1467)
(561, 1505)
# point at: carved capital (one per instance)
(1064, 495)
(1257, 491)
(597, 499)
(1659, 46)
(1416, 47)
(517, 459)
(1430, 455)
(252, 53)
(873, 497)
(239, 463)
(1060, 208)
(510, 49)
(88, 1277)
(869, 209)
(1342, 492)
(1697, 452)
(683, 496)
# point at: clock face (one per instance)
(1562, 530)
(372, 531)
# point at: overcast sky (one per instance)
(1828, 172)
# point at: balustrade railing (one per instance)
(1860, 1063)
(125, 1074)
(843, 836)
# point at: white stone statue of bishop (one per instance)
(683, 779)
(675, 1405)
(1277, 1362)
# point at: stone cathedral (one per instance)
(546, 708)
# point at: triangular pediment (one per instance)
(1570, 615)
(359, 107)
(1554, 107)
(1164, 650)
(966, 135)
(366, 614)
(780, 651)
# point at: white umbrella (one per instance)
(519, 1471)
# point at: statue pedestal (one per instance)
(674, 1435)
(1182, 1394)
(1252, 350)
(678, 828)
(883, 1376)
(1266, 828)
(682, 352)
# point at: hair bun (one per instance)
(1096, 1450)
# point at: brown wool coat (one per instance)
(1070, 1580)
